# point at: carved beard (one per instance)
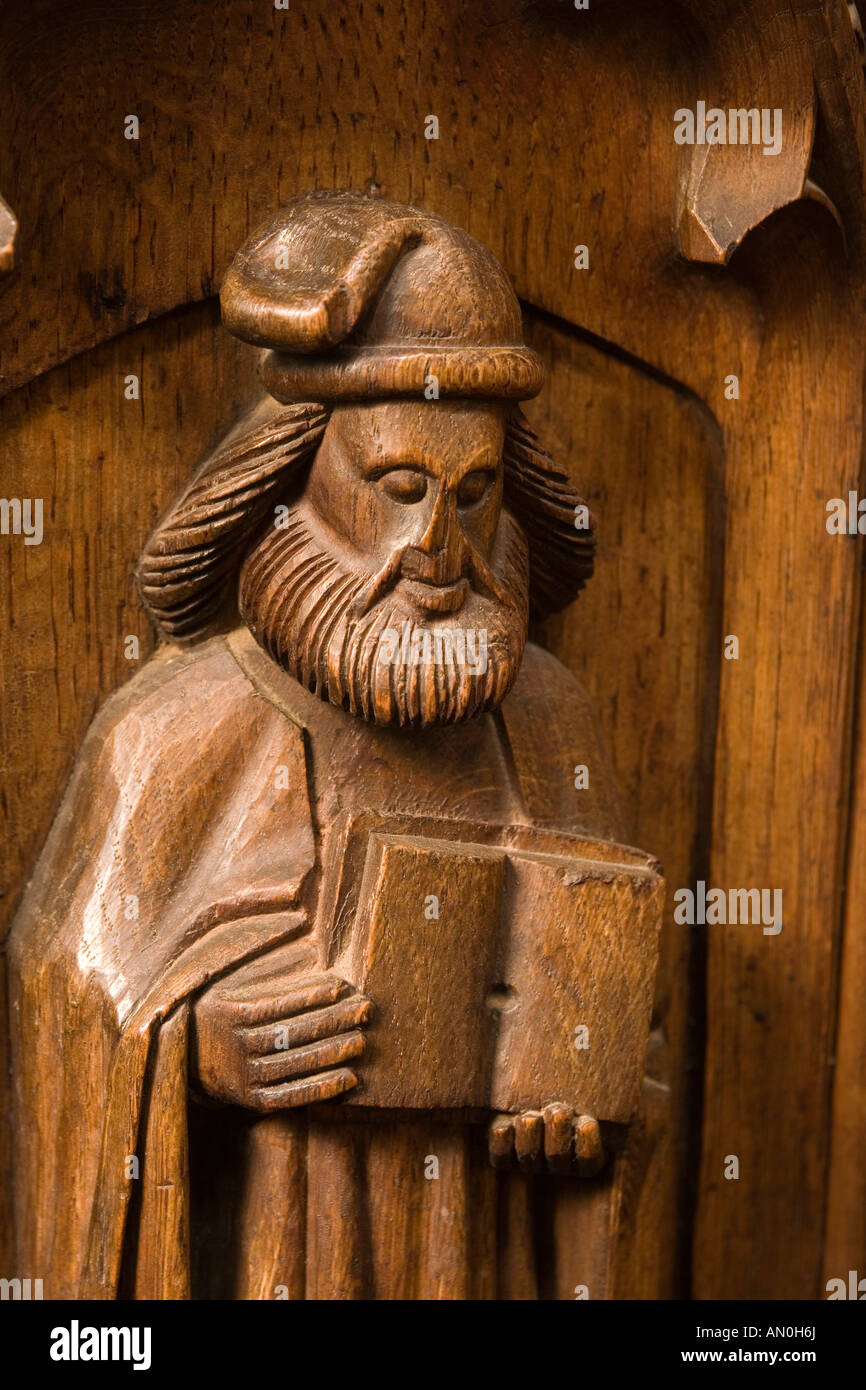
(332, 626)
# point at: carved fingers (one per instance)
(555, 1138)
(282, 1045)
(303, 1091)
(299, 1059)
(262, 1002)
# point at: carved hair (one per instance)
(192, 560)
(196, 551)
(540, 496)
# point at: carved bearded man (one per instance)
(344, 594)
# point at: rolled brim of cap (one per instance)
(362, 373)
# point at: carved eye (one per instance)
(404, 484)
(473, 487)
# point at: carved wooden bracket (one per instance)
(731, 187)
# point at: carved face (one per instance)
(398, 588)
(422, 483)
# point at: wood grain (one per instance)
(113, 232)
(648, 457)
(173, 907)
(782, 780)
(105, 467)
(845, 1236)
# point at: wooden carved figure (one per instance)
(333, 981)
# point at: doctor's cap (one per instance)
(357, 298)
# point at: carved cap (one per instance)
(361, 298)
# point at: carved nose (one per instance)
(440, 553)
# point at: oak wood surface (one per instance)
(114, 231)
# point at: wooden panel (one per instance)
(780, 757)
(242, 106)
(105, 467)
(845, 1237)
(113, 231)
(644, 636)
(782, 778)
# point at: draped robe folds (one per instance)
(177, 855)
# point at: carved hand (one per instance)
(275, 1043)
(555, 1137)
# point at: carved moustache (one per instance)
(408, 563)
(326, 624)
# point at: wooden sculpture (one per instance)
(333, 978)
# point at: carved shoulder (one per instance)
(565, 775)
(174, 681)
(179, 767)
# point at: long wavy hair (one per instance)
(189, 568)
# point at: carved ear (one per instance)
(542, 500)
(193, 556)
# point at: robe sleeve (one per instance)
(181, 848)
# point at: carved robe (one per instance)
(178, 854)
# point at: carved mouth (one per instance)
(435, 598)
